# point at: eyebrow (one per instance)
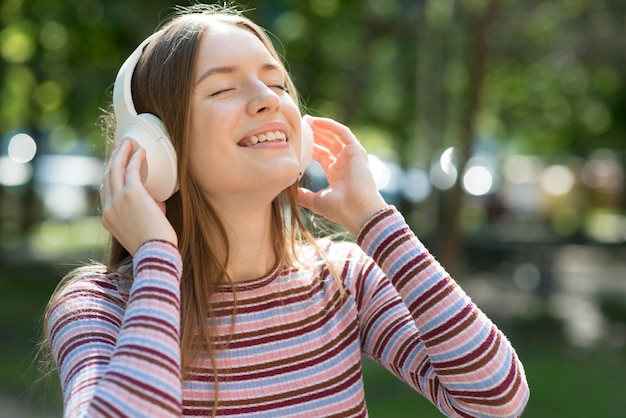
(233, 69)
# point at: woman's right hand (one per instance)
(129, 213)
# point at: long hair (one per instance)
(161, 85)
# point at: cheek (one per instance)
(203, 171)
(202, 158)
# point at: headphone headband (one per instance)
(122, 95)
(159, 172)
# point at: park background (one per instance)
(498, 127)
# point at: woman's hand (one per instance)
(129, 213)
(351, 197)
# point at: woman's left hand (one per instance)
(351, 197)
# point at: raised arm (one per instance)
(119, 355)
(414, 318)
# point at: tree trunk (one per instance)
(452, 238)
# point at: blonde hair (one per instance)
(161, 85)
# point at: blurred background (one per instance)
(498, 127)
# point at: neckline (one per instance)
(254, 284)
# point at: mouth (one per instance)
(269, 136)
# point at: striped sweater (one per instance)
(297, 342)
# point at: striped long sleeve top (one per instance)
(296, 345)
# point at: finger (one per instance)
(329, 140)
(117, 166)
(323, 156)
(344, 134)
(133, 169)
(105, 188)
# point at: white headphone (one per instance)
(159, 173)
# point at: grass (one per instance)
(574, 384)
(24, 292)
(564, 382)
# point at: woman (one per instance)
(218, 302)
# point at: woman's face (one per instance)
(245, 128)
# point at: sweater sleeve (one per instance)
(418, 323)
(120, 355)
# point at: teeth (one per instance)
(268, 136)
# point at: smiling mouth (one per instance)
(270, 136)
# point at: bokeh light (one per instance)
(417, 186)
(13, 173)
(480, 174)
(477, 180)
(603, 171)
(557, 180)
(380, 171)
(522, 169)
(22, 148)
(443, 172)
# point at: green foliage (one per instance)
(555, 79)
(557, 76)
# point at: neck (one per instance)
(248, 225)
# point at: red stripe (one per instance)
(107, 409)
(436, 288)
(491, 393)
(468, 309)
(150, 352)
(329, 314)
(302, 399)
(386, 243)
(468, 358)
(380, 312)
(314, 361)
(153, 320)
(146, 388)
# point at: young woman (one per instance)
(218, 302)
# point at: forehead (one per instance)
(223, 42)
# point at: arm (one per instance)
(417, 320)
(116, 358)
(447, 349)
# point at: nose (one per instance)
(263, 99)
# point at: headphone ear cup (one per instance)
(306, 146)
(159, 171)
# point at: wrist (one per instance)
(360, 217)
(171, 239)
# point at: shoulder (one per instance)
(88, 286)
(335, 251)
(343, 259)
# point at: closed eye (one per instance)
(281, 87)
(222, 91)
